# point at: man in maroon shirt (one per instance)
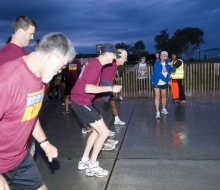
(82, 95)
(23, 29)
(21, 97)
(68, 77)
(102, 101)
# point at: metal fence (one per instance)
(201, 80)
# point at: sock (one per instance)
(92, 165)
(85, 159)
(117, 118)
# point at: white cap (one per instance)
(164, 53)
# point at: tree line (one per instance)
(186, 40)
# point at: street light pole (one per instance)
(199, 52)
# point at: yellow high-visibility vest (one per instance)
(179, 74)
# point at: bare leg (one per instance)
(96, 140)
(157, 98)
(164, 98)
(43, 187)
(67, 100)
(113, 105)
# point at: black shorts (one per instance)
(68, 88)
(162, 87)
(25, 175)
(86, 113)
(106, 111)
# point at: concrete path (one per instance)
(181, 151)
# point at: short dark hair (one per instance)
(177, 55)
(22, 22)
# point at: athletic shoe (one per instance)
(111, 142)
(62, 104)
(111, 133)
(50, 95)
(158, 115)
(119, 122)
(84, 130)
(65, 112)
(108, 147)
(120, 98)
(46, 99)
(96, 171)
(83, 165)
(164, 111)
(56, 94)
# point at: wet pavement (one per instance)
(181, 151)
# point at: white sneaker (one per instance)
(96, 171)
(111, 142)
(84, 130)
(108, 147)
(119, 122)
(158, 115)
(164, 111)
(83, 165)
(120, 98)
(111, 133)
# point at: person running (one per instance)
(101, 101)
(160, 80)
(21, 95)
(82, 95)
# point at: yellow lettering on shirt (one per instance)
(33, 106)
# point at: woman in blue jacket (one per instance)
(160, 80)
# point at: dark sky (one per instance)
(88, 22)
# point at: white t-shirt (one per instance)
(164, 72)
(142, 71)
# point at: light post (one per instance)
(199, 52)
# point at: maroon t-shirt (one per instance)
(72, 71)
(11, 52)
(108, 74)
(90, 74)
(109, 71)
(21, 95)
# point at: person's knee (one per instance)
(43, 187)
(105, 133)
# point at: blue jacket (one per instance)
(157, 74)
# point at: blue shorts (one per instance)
(25, 175)
(161, 86)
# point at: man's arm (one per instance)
(39, 135)
(93, 89)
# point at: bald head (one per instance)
(122, 57)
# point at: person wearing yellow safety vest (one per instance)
(177, 80)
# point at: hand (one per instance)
(3, 184)
(51, 151)
(116, 88)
